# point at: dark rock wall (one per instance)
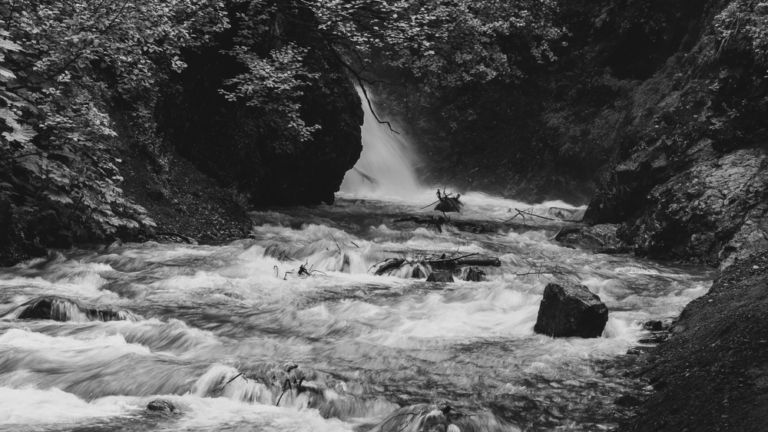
(712, 374)
(689, 177)
(235, 143)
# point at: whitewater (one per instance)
(216, 331)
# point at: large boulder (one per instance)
(569, 310)
(161, 406)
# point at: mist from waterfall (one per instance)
(386, 166)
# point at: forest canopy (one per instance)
(67, 67)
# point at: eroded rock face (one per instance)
(63, 309)
(599, 238)
(708, 211)
(690, 181)
(569, 310)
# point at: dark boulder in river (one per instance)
(569, 310)
(63, 309)
(161, 406)
(440, 276)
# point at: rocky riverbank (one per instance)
(711, 375)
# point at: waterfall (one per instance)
(385, 168)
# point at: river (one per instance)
(213, 329)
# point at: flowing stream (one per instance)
(216, 330)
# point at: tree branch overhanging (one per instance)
(362, 82)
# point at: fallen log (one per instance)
(387, 265)
(437, 222)
(431, 263)
(464, 261)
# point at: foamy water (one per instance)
(235, 339)
(216, 324)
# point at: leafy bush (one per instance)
(747, 20)
(62, 64)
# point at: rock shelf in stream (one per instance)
(64, 309)
(569, 310)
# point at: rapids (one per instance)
(368, 344)
(217, 331)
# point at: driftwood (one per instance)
(438, 222)
(387, 265)
(464, 260)
(441, 263)
(365, 176)
(523, 213)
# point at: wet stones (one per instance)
(600, 238)
(440, 276)
(161, 406)
(422, 418)
(63, 309)
(570, 310)
(653, 325)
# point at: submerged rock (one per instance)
(161, 406)
(419, 418)
(440, 276)
(472, 274)
(569, 310)
(63, 309)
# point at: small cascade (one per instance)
(385, 167)
(62, 309)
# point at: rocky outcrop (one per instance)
(600, 238)
(705, 211)
(63, 309)
(569, 310)
(690, 176)
(711, 375)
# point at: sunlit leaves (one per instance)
(70, 58)
(273, 85)
(442, 43)
(747, 19)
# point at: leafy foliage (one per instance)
(66, 67)
(446, 43)
(61, 63)
(746, 19)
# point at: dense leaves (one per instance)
(64, 63)
(746, 19)
(69, 69)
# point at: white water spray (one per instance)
(385, 168)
